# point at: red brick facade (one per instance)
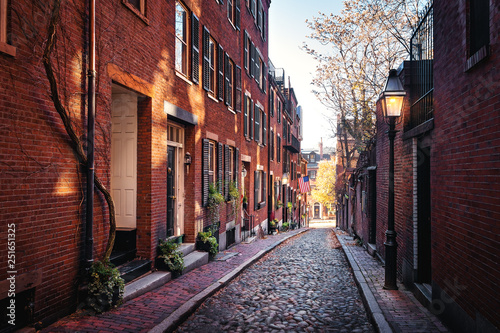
(42, 184)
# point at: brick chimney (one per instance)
(321, 150)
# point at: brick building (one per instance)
(446, 162)
(182, 101)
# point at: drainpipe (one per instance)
(89, 239)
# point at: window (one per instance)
(140, 5)
(313, 158)
(246, 60)
(248, 121)
(257, 117)
(209, 54)
(233, 12)
(271, 102)
(279, 111)
(229, 82)
(212, 162)
(312, 174)
(181, 43)
(260, 189)
(271, 144)
(278, 148)
(4, 42)
(479, 29)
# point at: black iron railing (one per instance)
(422, 76)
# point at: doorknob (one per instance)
(173, 197)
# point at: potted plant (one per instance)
(215, 199)
(171, 256)
(285, 226)
(206, 242)
(279, 204)
(273, 225)
(234, 196)
(105, 288)
(245, 202)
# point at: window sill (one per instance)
(183, 77)
(477, 57)
(230, 109)
(7, 49)
(135, 11)
(212, 97)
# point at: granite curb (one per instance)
(170, 323)
(372, 306)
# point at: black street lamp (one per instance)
(392, 102)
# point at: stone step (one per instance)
(194, 260)
(133, 269)
(186, 248)
(145, 284)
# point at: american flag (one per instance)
(304, 184)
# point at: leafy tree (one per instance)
(367, 39)
(324, 188)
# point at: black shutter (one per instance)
(271, 102)
(206, 59)
(259, 14)
(252, 59)
(250, 130)
(264, 77)
(256, 188)
(227, 76)
(195, 49)
(205, 166)
(264, 128)
(237, 167)
(238, 92)
(220, 171)
(278, 149)
(264, 25)
(257, 123)
(271, 143)
(264, 183)
(237, 14)
(246, 51)
(245, 116)
(220, 75)
(227, 177)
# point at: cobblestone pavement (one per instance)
(304, 285)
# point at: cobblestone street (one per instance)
(303, 285)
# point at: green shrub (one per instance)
(172, 257)
(105, 288)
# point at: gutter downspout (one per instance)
(89, 239)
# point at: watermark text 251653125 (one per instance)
(11, 272)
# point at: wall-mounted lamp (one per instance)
(187, 159)
(243, 171)
(299, 197)
(284, 181)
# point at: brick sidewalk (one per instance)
(161, 308)
(392, 310)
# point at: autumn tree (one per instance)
(324, 187)
(358, 47)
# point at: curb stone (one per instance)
(170, 323)
(374, 310)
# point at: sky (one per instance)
(287, 33)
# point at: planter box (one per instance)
(202, 246)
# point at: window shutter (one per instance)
(264, 77)
(264, 128)
(271, 144)
(237, 76)
(246, 53)
(253, 6)
(237, 167)
(195, 49)
(257, 67)
(205, 167)
(250, 110)
(271, 102)
(227, 76)
(259, 14)
(257, 116)
(220, 74)
(206, 59)
(264, 183)
(237, 14)
(264, 25)
(252, 59)
(230, 10)
(227, 177)
(245, 116)
(256, 188)
(220, 171)
(278, 148)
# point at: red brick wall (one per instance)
(465, 178)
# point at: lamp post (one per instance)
(392, 102)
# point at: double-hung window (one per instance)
(181, 42)
(260, 189)
(233, 12)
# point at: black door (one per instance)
(170, 190)
(424, 215)
(316, 211)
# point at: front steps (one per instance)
(192, 259)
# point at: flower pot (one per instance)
(202, 246)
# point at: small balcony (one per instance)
(292, 145)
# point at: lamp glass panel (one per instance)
(393, 105)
